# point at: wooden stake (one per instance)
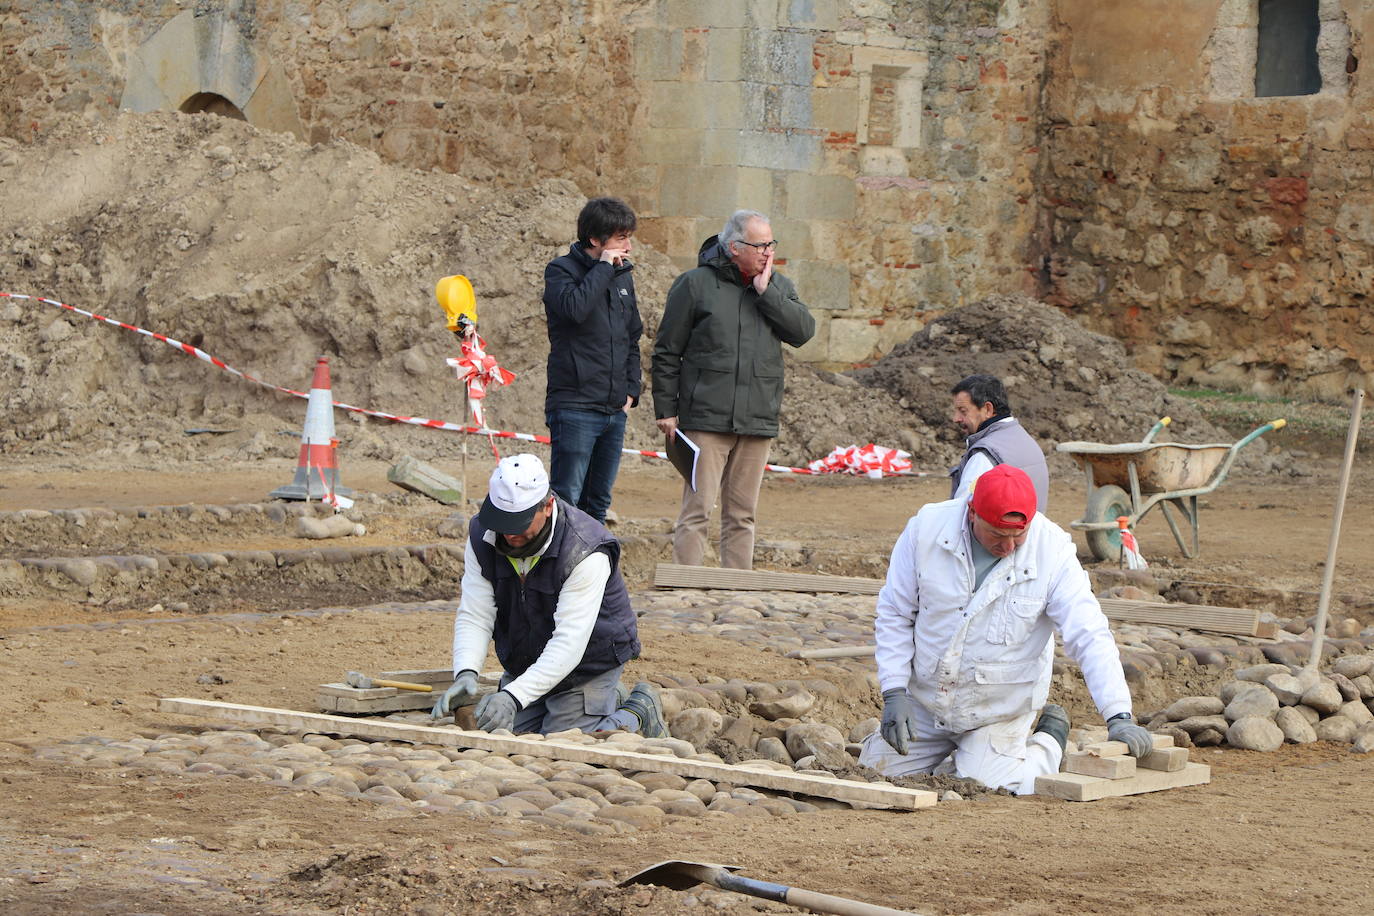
(1353, 434)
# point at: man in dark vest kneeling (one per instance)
(542, 579)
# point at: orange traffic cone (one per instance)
(317, 473)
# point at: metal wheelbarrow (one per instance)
(1132, 478)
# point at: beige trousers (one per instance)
(730, 467)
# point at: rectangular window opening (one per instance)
(1286, 58)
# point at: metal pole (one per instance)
(1353, 434)
(463, 475)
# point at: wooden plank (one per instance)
(1168, 759)
(1101, 767)
(1073, 787)
(599, 754)
(1189, 616)
(672, 575)
(1106, 749)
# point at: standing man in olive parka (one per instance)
(718, 376)
(593, 372)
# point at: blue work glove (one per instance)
(1121, 727)
(899, 719)
(497, 710)
(463, 692)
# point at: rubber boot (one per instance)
(1054, 721)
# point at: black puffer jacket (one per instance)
(594, 331)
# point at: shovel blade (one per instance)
(678, 875)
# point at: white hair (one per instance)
(734, 226)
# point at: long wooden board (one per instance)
(1234, 620)
(1073, 787)
(1241, 621)
(599, 755)
(672, 575)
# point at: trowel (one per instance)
(680, 875)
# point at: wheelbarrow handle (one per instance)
(1268, 427)
(1155, 430)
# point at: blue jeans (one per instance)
(585, 457)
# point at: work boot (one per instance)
(644, 702)
(1054, 721)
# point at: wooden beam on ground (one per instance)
(1241, 621)
(834, 652)
(1073, 787)
(598, 755)
(671, 575)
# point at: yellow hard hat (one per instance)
(456, 297)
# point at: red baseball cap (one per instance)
(1001, 491)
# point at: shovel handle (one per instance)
(795, 896)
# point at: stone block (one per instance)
(1074, 787)
(412, 474)
(657, 53)
(817, 349)
(721, 14)
(820, 15)
(851, 340)
(773, 150)
(823, 285)
(778, 58)
(829, 197)
(676, 146)
(725, 55)
(834, 110)
(1169, 759)
(1103, 767)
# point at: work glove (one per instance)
(463, 692)
(899, 719)
(1121, 727)
(497, 710)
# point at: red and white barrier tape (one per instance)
(396, 418)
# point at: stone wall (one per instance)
(894, 143)
(1225, 238)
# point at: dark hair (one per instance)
(984, 389)
(603, 217)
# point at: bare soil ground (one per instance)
(1283, 832)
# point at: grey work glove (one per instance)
(497, 710)
(463, 692)
(1122, 727)
(899, 719)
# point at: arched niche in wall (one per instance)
(208, 63)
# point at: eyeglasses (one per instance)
(761, 246)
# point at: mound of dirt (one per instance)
(1064, 382)
(265, 253)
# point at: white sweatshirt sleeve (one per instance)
(894, 629)
(978, 464)
(579, 603)
(1087, 637)
(476, 616)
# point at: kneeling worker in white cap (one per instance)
(542, 579)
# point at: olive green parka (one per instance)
(717, 363)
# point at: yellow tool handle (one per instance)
(402, 685)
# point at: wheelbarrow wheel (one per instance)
(1106, 504)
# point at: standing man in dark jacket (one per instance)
(593, 372)
(983, 413)
(718, 377)
(542, 579)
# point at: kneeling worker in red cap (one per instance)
(542, 579)
(975, 589)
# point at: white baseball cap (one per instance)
(519, 486)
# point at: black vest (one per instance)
(524, 610)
